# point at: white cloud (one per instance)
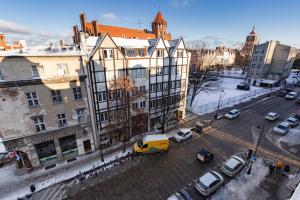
(13, 28)
(181, 3)
(110, 17)
(211, 42)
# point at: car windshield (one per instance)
(140, 143)
(231, 113)
(282, 127)
(180, 133)
(204, 187)
(228, 168)
(180, 196)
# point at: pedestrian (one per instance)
(271, 168)
(286, 168)
(279, 166)
(249, 154)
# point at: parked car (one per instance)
(204, 155)
(293, 121)
(202, 126)
(180, 195)
(152, 144)
(282, 128)
(291, 95)
(282, 93)
(183, 134)
(232, 114)
(243, 86)
(233, 166)
(289, 89)
(272, 116)
(209, 182)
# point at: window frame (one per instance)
(77, 93)
(32, 99)
(57, 96)
(38, 121)
(62, 120)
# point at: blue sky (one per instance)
(218, 21)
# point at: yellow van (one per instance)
(152, 144)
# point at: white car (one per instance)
(293, 121)
(291, 95)
(233, 166)
(209, 182)
(232, 114)
(183, 134)
(272, 116)
(282, 128)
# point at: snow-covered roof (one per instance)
(208, 179)
(272, 114)
(285, 124)
(156, 137)
(292, 119)
(43, 51)
(233, 162)
(185, 130)
(91, 41)
(133, 43)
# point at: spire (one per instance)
(253, 30)
(159, 18)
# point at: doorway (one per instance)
(87, 146)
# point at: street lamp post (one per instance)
(261, 127)
(218, 107)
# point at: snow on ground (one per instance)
(45, 178)
(244, 186)
(2, 147)
(207, 100)
(293, 78)
(292, 137)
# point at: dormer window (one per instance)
(135, 52)
(130, 52)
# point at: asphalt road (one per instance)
(157, 176)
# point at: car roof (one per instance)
(292, 119)
(272, 113)
(292, 93)
(184, 130)
(284, 124)
(208, 178)
(234, 110)
(155, 137)
(234, 161)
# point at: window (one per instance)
(179, 53)
(39, 124)
(121, 72)
(62, 69)
(152, 87)
(80, 114)
(130, 52)
(141, 52)
(77, 93)
(160, 53)
(143, 88)
(108, 53)
(103, 116)
(99, 76)
(165, 84)
(178, 83)
(183, 69)
(32, 99)
(56, 96)
(166, 70)
(142, 104)
(135, 105)
(140, 73)
(62, 121)
(159, 86)
(178, 69)
(152, 71)
(173, 84)
(35, 71)
(102, 96)
(113, 114)
(173, 69)
(159, 71)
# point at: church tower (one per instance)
(251, 40)
(159, 25)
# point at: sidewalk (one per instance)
(15, 184)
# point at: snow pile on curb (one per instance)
(243, 186)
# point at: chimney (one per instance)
(83, 22)
(94, 25)
(75, 34)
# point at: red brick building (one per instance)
(5, 47)
(93, 28)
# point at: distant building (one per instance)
(44, 110)
(203, 58)
(251, 40)
(5, 47)
(297, 60)
(93, 28)
(270, 61)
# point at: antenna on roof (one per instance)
(140, 23)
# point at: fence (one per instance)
(210, 107)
